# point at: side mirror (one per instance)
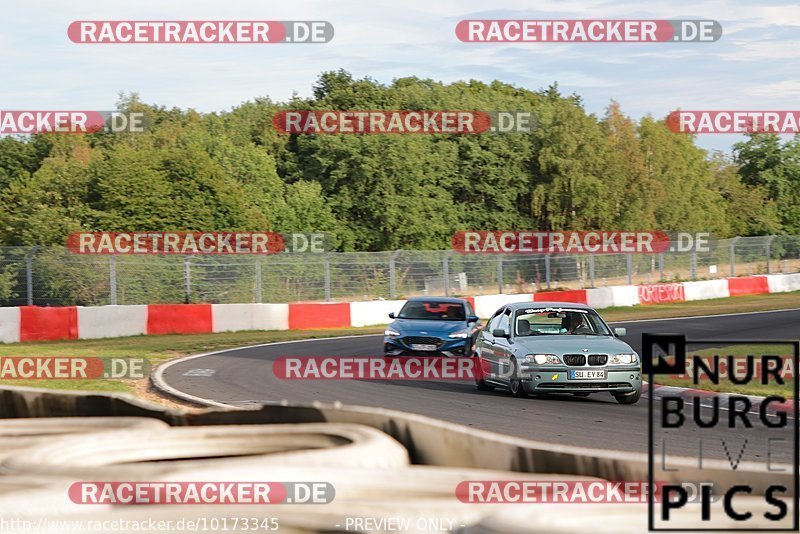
(619, 332)
(472, 319)
(499, 332)
(391, 315)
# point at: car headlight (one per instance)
(390, 332)
(625, 358)
(461, 334)
(543, 359)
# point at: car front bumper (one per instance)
(552, 379)
(451, 347)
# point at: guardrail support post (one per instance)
(187, 280)
(500, 275)
(660, 266)
(29, 274)
(591, 270)
(693, 265)
(547, 270)
(259, 296)
(732, 255)
(768, 249)
(629, 268)
(112, 273)
(393, 275)
(327, 278)
(446, 272)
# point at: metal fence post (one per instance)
(259, 297)
(446, 272)
(187, 280)
(393, 275)
(29, 274)
(500, 275)
(112, 273)
(547, 270)
(629, 268)
(661, 266)
(591, 270)
(767, 248)
(327, 278)
(693, 265)
(732, 255)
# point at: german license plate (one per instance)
(587, 374)
(418, 346)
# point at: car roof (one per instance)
(522, 305)
(454, 300)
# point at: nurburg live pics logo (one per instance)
(753, 496)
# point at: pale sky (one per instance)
(755, 65)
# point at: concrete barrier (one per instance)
(706, 289)
(311, 315)
(46, 324)
(179, 319)
(782, 283)
(111, 321)
(233, 317)
(748, 285)
(373, 312)
(606, 297)
(30, 323)
(9, 325)
(661, 293)
(486, 305)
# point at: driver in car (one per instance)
(575, 324)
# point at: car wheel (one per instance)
(629, 398)
(581, 394)
(515, 384)
(480, 383)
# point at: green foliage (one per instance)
(234, 171)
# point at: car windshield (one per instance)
(559, 322)
(433, 310)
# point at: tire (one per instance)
(481, 384)
(515, 384)
(629, 398)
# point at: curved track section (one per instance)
(244, 376)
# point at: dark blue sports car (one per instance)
(432, 326)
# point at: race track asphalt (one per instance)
(245, 375)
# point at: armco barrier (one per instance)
(748, 285)
(706, 289)
(571, 295)
(233, 317)
(309, 315)
(111, 321)
(179, 319)
(34, 323)
(373, 312)
(44, 324)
